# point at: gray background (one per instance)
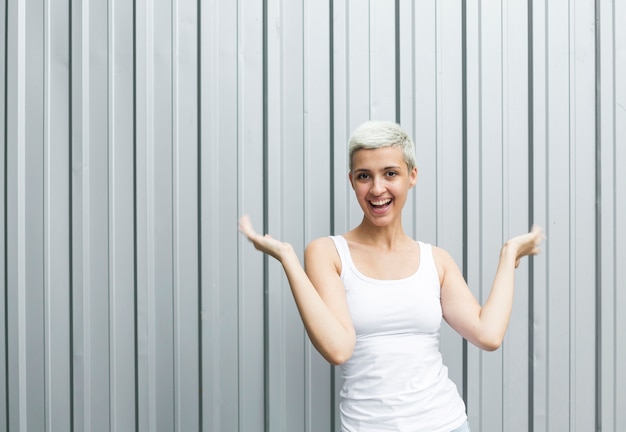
(135, 134)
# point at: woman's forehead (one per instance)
(377, 158)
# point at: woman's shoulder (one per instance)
(322, 250)
(321, 244)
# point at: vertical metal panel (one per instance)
(487, 176)
(354, 59)
(156, 185)
(249, 127)
(418, 95)
(583, 202)
(497, 176)
(618, 234)
(381, 36)
(34, 216)
(232, 136)
(285, 162)
(90, 200)
(317, 173)
(516, 201)
(540, 197)
(3, 217)
(16, 216)
(607, 271)
(80, 221)
(473, 114)
(449, 158)
(56, 170)
(219, 149)
(185, 216)
(555, 207)
(121, 216)
(612, 149)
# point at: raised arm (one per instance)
(319, 293)
(484, 326)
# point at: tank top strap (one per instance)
(343, 250)
(427, 260)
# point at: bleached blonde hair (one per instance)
(377, 134)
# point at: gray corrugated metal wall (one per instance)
(135, 134)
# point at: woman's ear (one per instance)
(350, 179)
(413, 177)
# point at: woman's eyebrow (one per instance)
(382, 169)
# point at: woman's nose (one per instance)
(377, 186)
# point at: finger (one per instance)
(245, 226)
(538, 233)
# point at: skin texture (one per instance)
(381, 249)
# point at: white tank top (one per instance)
(395, 379)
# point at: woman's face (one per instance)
(381, 180)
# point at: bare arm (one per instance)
(319, 295)
(484, 326)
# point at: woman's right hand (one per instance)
(264, 243)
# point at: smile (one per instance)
(381, 203)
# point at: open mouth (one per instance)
(380, 205)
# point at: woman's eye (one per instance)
(362, 176)
(392, 174)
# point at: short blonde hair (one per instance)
(377, 134)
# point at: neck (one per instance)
(387, 236)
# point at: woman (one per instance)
(372, 299)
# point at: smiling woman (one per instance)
(381, 180)
(372, 299)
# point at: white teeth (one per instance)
(383, 202)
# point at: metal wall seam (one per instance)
(531, 214)
(17, 418)
(4, 373)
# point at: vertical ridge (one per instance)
(397, 65)
(5, 200)
(135, 239)
(331, 140)
(598, 215)
(199, 204)
(71, 214)
(531, 212)
(266, 370)
(464, 176)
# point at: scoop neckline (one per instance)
(367, 278)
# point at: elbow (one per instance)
(490, 344)
(339, 357)
(340, 353)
